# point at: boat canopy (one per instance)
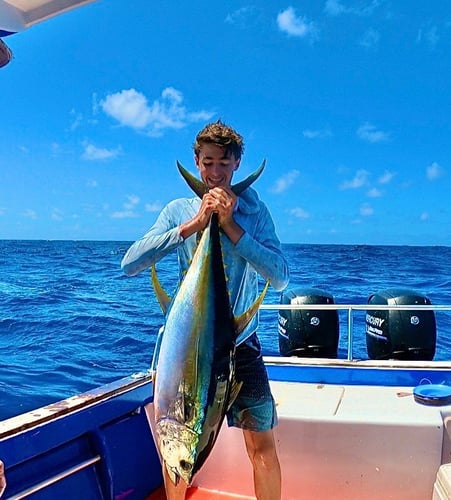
(18, 15)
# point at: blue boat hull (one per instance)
(99, 445)
(94, 446)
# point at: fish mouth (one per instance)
(184, 471)
(177, 447)
(182, 468)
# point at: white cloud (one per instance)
(336, 8)
(93, 153)
(55, 149)
(31, 214)
(92, 184)
(386, 177)
(76, 119)
(366, 210)
(241, 16)
(153, 207)
(368, 132)
(370, 39)
(359, 180)
(128, 107)
(133, 200)
(131, 108)
(374, 193)
(429, 36)
(123, 214)
(434, 171)
(57, 214)
(316, 134)
(129, 206)
(284, 182)
(294, 25)
(299, 212)
(424, 216)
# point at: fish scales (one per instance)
(196, 359)
(194, 383)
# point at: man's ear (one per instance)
(237, 165)
(196, 160)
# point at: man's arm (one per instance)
(263, 251)
(162, 238)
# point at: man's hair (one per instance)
(223, 136)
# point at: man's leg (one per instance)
(173, 492)
(262, 452)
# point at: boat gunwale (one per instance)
(394, 364)
(359, 307)
(23, 422)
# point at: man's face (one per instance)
(215, 168)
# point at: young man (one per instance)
(250, 247)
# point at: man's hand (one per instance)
(200, 221)
(221, 200)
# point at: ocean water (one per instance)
(71, 321)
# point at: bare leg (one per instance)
(2, 478)
(262, 452)
(173, 492)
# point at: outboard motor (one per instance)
(307, 332)
(400, 334)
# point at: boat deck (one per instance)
(200, 494)
(340, 441)
(337, 441)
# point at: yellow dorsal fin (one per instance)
(244, 319)
(162, 296)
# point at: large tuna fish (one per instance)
(194, 384)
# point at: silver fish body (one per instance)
(196, 362)
(194, 383)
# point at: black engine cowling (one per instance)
(307, 332)
(400, 334)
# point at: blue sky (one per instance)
(348, 100)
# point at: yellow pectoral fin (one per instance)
(162, 296)
(244, 319)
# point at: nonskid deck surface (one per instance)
(194, 493)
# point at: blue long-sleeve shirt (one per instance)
(257, 252)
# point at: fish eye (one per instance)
(186, 466)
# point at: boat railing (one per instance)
(42, 485)
(351, 309)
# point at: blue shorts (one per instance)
(254, 408)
